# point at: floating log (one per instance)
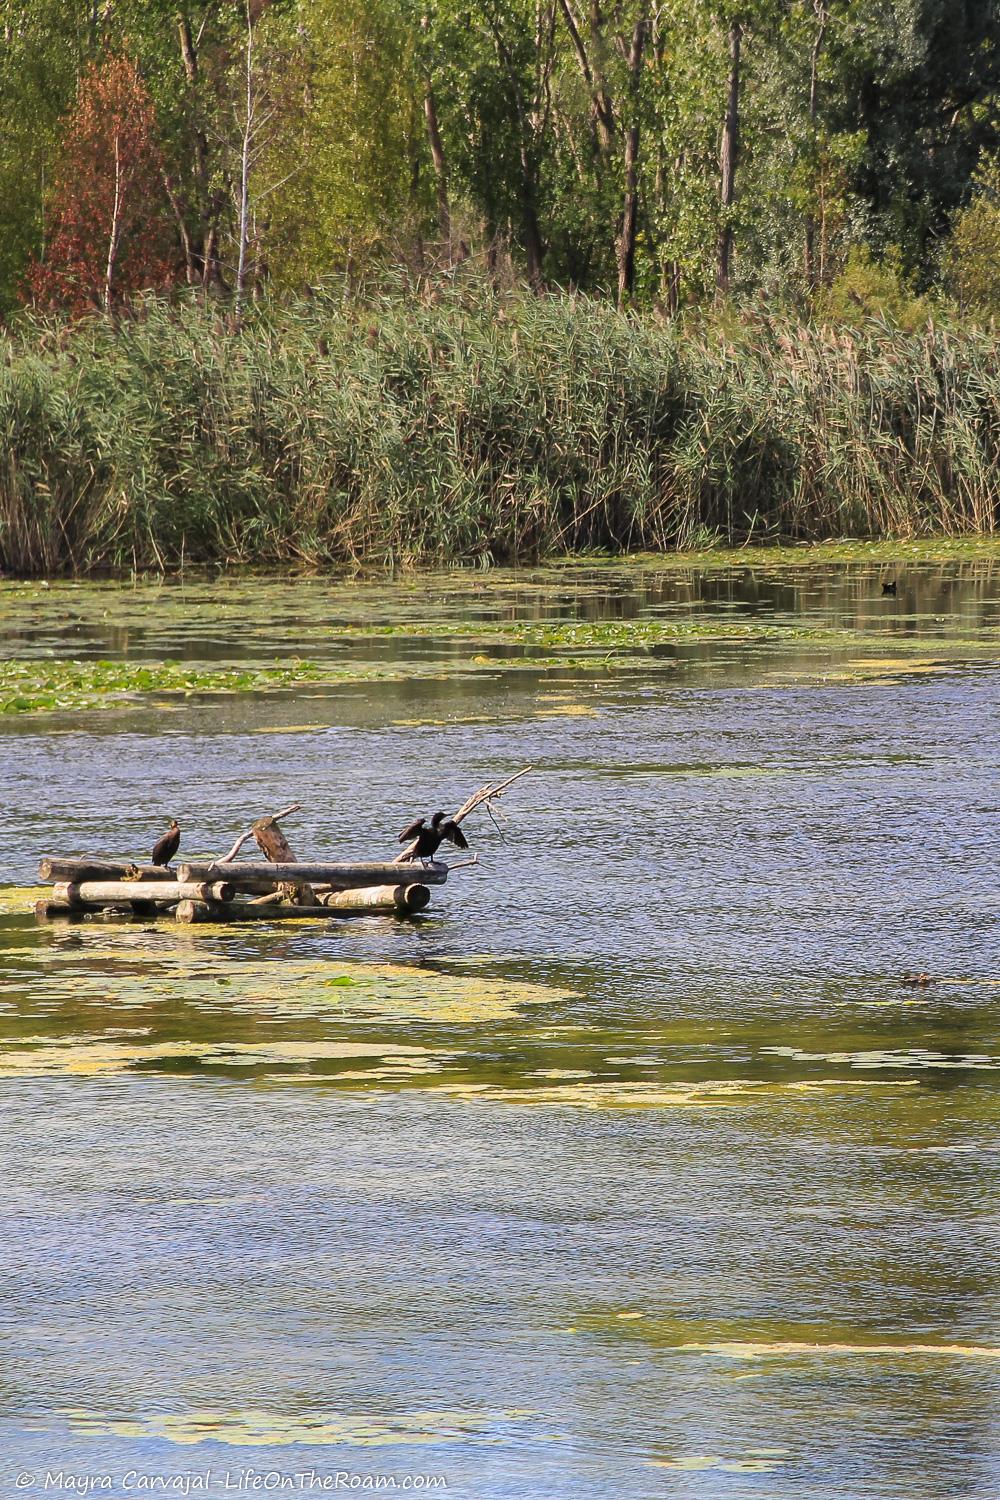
(379, 898)
(256, 875)
(162, 893)
(100, 869)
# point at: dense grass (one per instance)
(478, 429)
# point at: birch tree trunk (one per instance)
(115, 237)
(728, 159)
(248, 122)
(822, 17)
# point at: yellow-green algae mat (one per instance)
(258, 1428)
(129, 999)
(764, 1341)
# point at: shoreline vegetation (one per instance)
(477, 428)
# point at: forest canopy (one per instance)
(810, 155)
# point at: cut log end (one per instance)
(389, 898)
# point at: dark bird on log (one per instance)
(889, 588)
(429, 840)
(922, 979)
(164, 849)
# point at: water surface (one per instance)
(634, 1168)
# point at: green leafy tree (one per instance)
(351, 158)
(972, 255)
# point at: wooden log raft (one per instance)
(260, 875)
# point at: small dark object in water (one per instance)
(429, 840)
(165, 848)
(920, 979)
(889, 588)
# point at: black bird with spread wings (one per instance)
(165, 848)
(430, 839)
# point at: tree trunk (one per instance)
(115, 237)
(602, 105)
(728, 158)
(626, 243)
(200, 246)
(440, 169)
(241, 268)
(671, 286)
(531, 234)
(822, 17)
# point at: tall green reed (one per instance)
(478, 429)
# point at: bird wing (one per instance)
(454, 834)
(412, 831)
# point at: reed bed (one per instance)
(477, 429)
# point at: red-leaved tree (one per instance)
(107, 230)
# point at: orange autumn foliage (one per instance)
(108, 231)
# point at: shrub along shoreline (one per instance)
(476, 430)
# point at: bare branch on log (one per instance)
(487, 794)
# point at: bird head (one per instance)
(438, 817)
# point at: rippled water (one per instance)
(633, 1168)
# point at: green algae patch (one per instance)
(33, 686)
(17, 900)
(256, 1427)
(155, 1001)
(938, 549)
(300, 634)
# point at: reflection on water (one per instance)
(635, 1167)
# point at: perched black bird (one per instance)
(429, 840)
(889, 588)
(164, 849)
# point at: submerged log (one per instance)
(200, 911)
(248, 875)
(243, 911)
(46, 911)
(162, 893)
(379, 898)
(100, 869)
